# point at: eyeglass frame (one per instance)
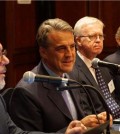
(95, 36)
(3, 53)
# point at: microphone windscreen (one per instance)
(29, 77)
(95, 63)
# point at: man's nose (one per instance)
(68, 51)
(5, 60)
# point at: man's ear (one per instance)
(118, 41)
(78, 41)
(42, 52)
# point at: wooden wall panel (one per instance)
(111, 17)
(19, 25)
(25, 25)
(71, 11)
(107, 11)
(22, 21)
(20, 38)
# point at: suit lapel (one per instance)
(85, 72)
(56, 97)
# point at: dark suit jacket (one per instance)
(82, 74)
(115, 58)
(6, 124)
(39, 106)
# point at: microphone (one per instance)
(96, 63)
(31, 77)
(86, 88)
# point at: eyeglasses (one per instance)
(2, 53)
(94, 37)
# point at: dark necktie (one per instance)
(113, 106)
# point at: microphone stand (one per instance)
(104, 104)
(99, 94)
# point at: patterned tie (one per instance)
(113, 106)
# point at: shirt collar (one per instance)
(51, 73)
(87, 61)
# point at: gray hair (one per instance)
(81, 23)
(48, 26)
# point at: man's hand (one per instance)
(75, 127)
(104, 115)
(93, 121)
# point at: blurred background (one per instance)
(19, 24)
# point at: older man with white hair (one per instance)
(89, 37)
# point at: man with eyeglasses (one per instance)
(7, 126)
(88, 32)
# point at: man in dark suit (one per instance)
(115, 58)
(89, 38)
(39, 106)
(82, 74)
(7, 126)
